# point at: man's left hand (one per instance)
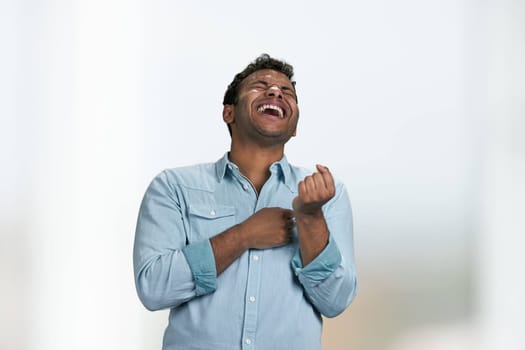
(314, 191)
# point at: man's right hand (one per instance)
(267, 228)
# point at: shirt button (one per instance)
(256, 257)
(212, 213)
(245, 187)
(248, 341)
(252, 299)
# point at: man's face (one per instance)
(266, 110)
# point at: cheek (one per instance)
(293, 106)
(247, 101)
(243, 110)
(296, 112)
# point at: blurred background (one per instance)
(418, 106)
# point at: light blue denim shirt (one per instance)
(264, 300)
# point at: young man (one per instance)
(250, 251)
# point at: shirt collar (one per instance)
(282, 166)
(221, 165)
(284, 171)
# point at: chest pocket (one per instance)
(207, 221)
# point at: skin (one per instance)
(258, 141)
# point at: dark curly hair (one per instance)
(264, 61)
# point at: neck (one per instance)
(254, 161)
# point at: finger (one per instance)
(321, 168)
(301, 189)
(327, 177)
(309, 184)
(319, 181)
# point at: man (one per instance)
(250, 251)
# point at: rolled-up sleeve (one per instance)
(168, 272)
(202, 264)
(330, 280)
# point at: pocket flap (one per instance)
(211, 212)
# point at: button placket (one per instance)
(252, 293)
(255, 259)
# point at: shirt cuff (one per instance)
(322, 266)
(202, 264)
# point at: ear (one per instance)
(227, 114)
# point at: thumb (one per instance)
(322, 169)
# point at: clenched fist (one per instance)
(314, 191)
(267, 228)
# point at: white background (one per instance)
(416, 105)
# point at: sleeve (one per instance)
(330, 280)
(168, 272)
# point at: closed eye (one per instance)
(258, 86)
(288, 91)
(263, 85)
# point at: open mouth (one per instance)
(271, 109)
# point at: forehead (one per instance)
(268, 75)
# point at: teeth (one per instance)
(275, 108)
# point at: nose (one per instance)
(274, 91)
